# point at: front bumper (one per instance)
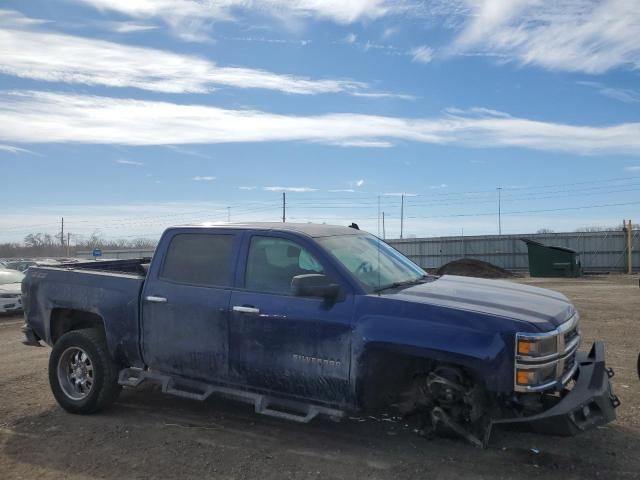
(10, 305)
(589, 404)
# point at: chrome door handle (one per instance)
(154, 299)
(242, 309)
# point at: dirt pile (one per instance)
(468, 267)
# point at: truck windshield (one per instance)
(375, 264)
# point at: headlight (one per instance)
(543, 360)
(536, 377)
(537, 347)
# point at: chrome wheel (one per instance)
(75, 373)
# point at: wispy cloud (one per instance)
(123, 161)
(399, 96)
(400, 194)
(437, 187)
(247, 188)
(190, 19)
(350, 38)
(290, 189)
(14, 150)
(342, 190)
(584, 36)
(44, 117)
(632, 168)
(65, 58)
(204, 179)
(360, 143)
(128, 27)
(422, 54)
(625, 95)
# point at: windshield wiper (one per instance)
(405, 283)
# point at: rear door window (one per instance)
(200, 259)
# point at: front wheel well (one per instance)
(64, 320)
(385, 376)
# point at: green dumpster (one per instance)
(548, 261)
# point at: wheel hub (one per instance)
(75, 373)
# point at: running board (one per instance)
(291, 410)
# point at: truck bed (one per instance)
(108, 289)
(136, 266)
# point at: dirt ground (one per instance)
(148, 435)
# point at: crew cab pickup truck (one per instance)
(303, 319)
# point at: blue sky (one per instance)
(129, 116)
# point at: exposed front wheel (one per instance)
(82, 374)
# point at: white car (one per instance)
(10, 291)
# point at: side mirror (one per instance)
(314, 285)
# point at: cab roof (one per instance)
(310, 229)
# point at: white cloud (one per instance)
(625, 95)
(351, 38)
(128, 27)
(399, 96)
(12, 149)
(437, 187)
(290, 189)
(17, 20)
(633, 168)
(190, 19)
(342, 190)
(45, 117)
(359, 183)
(123, 161)
(65, 58)
(364, 143)
(422, 54)
(247, 188)
(389, 32)
(204, 179)
(568, 35)
(400, 194)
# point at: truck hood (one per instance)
(540, 307)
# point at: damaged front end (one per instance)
(586, 401)
(448, 401)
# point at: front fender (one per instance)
(481, 343)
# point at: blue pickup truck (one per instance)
(304, 319)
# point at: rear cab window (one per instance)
(203, 259)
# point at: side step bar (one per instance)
(273, 407)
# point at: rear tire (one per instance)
(82, 374)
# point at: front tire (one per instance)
(82, 374)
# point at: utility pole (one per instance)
(499, 210)
(284, 207)
(629, 231)
(401, 215)
(384, 233)
(378, 216)
(62, 233)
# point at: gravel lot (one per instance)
(148, 435)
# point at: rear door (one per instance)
(185, 304)
(294, 345)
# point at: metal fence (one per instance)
(599, 251)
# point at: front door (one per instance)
(185, 305)
(293, 345)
